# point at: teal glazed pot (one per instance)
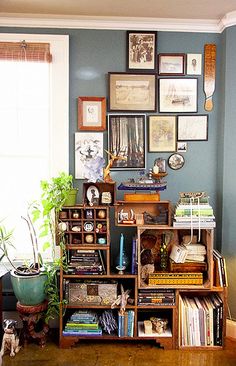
(29, 290)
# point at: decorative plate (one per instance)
(176, 161)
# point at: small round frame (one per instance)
(176, 161)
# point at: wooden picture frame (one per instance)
(162, 133)
(178, 95)
(129, 92)
(171, 63)
(192, 128)
(127, 138)
(91, 113)
(141, 51)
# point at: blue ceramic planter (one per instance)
(29, 290)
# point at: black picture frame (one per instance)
(192, 127)
(171, 64)
(127, 138)
(141, 51)
(176, 161)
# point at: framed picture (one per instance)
(89, 161)
(194, 63)
(126, 134)
(178, 95)
(171, 63)
(176, 161)
(92, 113)
(192, 128)
(182, 146)
(141, 50)
(132, 92)
(162, 133)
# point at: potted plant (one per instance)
(53, 197)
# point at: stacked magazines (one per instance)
(83, 323)
(194, 211)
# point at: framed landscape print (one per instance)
(162, 133)
(141, 50)
(126, 138)
(92, 113)
(171, 63)
(132, 92)
(192, 128)
(178, 95)
(89, 161)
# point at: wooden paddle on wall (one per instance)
(209, 74)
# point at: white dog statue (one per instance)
(10, 340)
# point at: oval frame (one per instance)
(176, 161)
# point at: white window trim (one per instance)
(59, 95)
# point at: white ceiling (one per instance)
(196, 15)
(182, 9)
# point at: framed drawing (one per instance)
(141, 50)
(171, 63)
(178, 95)
(132, 92)
(192, 128)
(162, 133)
(194, 63)
(89, 161)
(126, 134)
(92, 113)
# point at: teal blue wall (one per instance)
(208, 165)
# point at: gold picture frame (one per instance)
(162, 133)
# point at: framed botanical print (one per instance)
(126, 139)
(162, 133)
(141, 51)
(92, 113)
(132, 92)
(177, 95)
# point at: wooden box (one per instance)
(93, 293)
(102, 188)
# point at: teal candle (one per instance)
(121, 249)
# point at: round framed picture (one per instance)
(176, 161)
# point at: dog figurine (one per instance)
(10, 340)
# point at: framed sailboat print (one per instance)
(178, 95)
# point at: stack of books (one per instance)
(126, 324)
(194, 211)
(220, 272)
(83, 323)
(86, 262)
(201, 320)
(156, 297)
(184, 278)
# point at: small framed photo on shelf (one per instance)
(132, 92)
(182, 146)
(178, 95)
(192, 128)
(92, 113)
(162, 133)
(171, 63)
(194, 63)
(141, 50)
(126, 139)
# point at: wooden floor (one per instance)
(90, 353)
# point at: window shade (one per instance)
(24, 51)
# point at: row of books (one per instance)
(83, 323)
(86, 262)
(220, 270)
(126, 324)
(201, 320)
(156, 297)
(178, 278)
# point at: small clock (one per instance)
(176, 161)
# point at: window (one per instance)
(33, 130)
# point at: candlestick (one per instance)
(121, 249)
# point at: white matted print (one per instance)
(192, 128)
(89, 161)
(194, 63)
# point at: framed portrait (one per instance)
(132, 92)
(162, 133)
(92, 113)
(89, 161)
(126, 139)
(141, 50)
(171, 63)
(194, 63)
(178, 95)
(192, 128)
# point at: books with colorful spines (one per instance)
(130, 332)
(82, 332)
(121, 322)
(221, 267)
(134, 264)
(202, 322)
(210, 332)
(187, 211)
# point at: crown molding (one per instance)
(117, 23)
